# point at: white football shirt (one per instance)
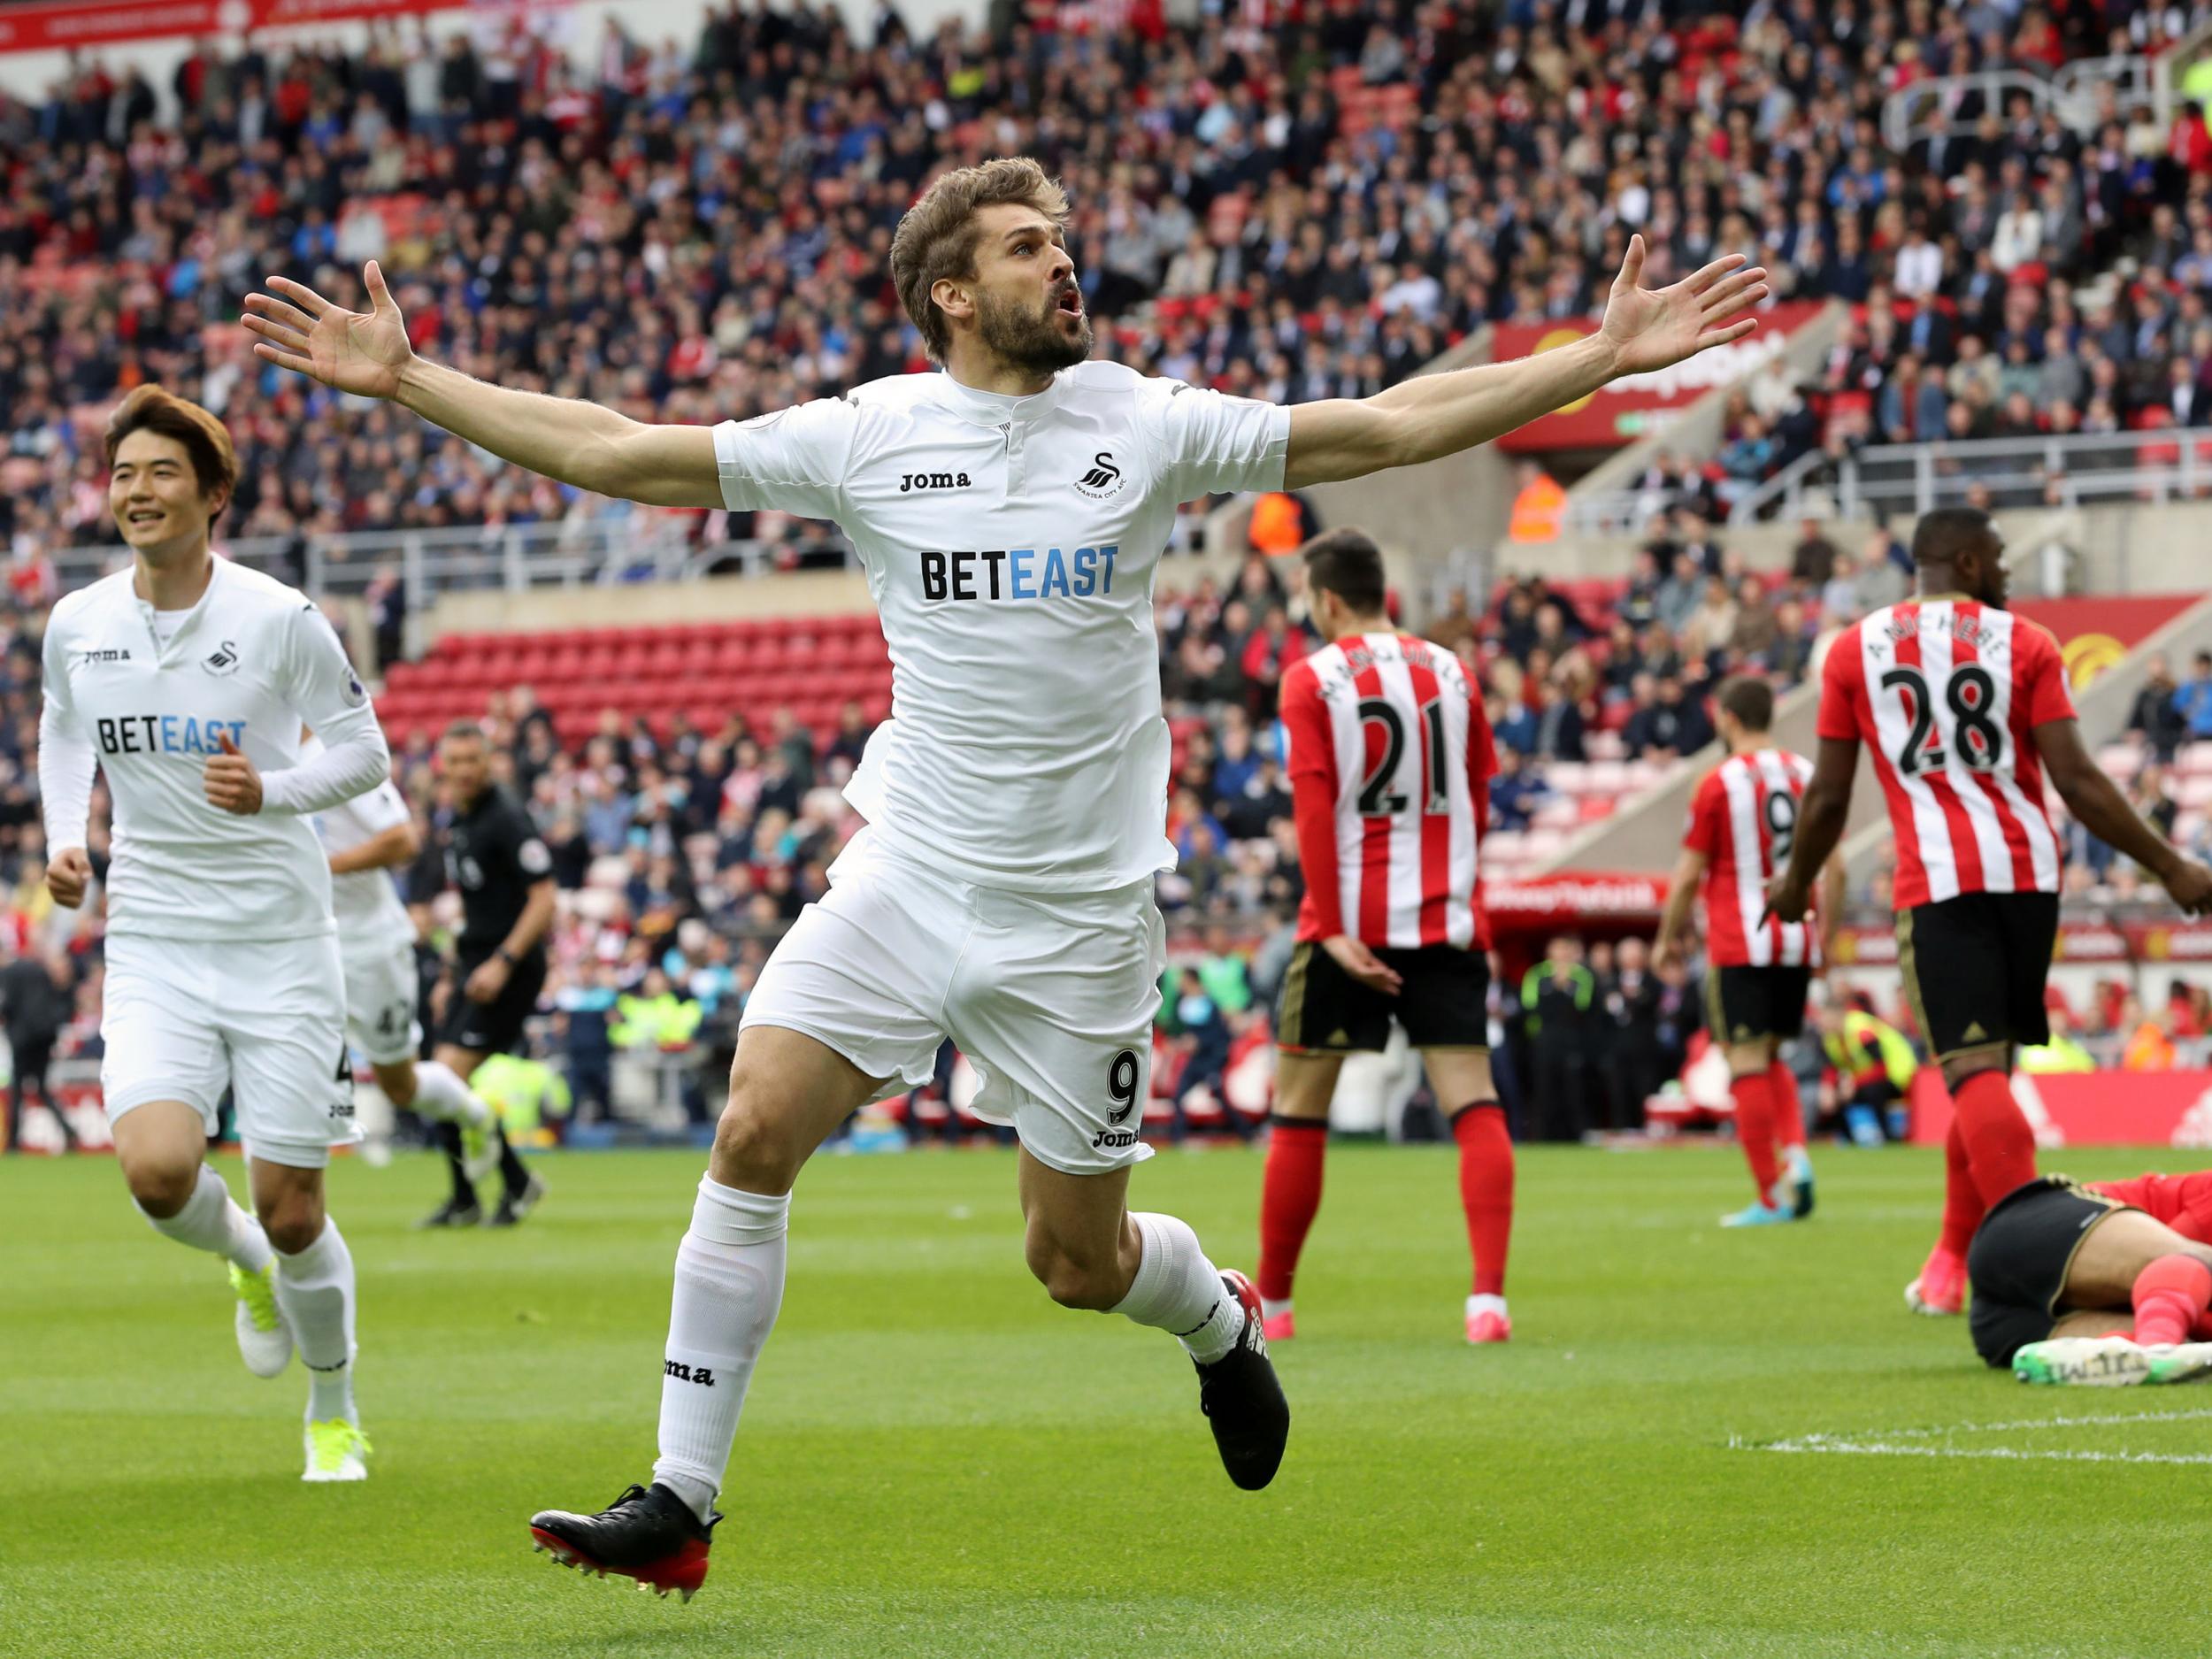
(366, 902)
(1011, 544)
(254, 660)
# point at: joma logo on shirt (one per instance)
(105, 655)
(932, 481)
(1022, 572)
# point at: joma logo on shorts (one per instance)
(932, 481)
(702, 1375)
(1115, 1138)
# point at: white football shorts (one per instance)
(382, 993)
(183, 1019)
(1050, 996)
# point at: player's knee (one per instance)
(1075, 1278)
(294, 1222)
(161, 1187)
(756, 1146)
(398, 1084)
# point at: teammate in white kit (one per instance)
(188, 679)
(367, 838)
(1009, 512)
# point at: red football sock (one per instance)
(1290, 1195)
(1754, 1129)
(2171, 1294)
(2000, 1146)
(1485, 1190)
(1789, 1110)
(1963, 1206)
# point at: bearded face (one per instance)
(1035, 338)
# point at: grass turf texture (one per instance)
(935, 1461)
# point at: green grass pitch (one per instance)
(936, 1461)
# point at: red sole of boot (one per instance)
(683, 1572)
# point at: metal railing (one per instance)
(511, 557)
(1928, 108)
(2155, 467)
(1611, 511)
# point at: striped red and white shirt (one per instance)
(1743, 819)
(1947, 693)
(1390, 759)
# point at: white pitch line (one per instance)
(2092, 1420)
(1901, 1442)
(1881, 1448)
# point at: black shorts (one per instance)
(1754, 1004)
(1324, 1010)
(493, 1027)
(2019, 1260)
(1974, 968)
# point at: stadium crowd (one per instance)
(1289, 202)
(1294, 201)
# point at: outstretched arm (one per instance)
(1436, 415)
(580, 444)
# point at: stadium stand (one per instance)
(1289, 203)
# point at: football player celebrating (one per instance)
(1002, 892)
(188, 679)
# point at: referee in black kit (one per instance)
(505, 875)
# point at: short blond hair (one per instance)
(937, 237)
(150, 409)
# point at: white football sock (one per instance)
(1178, 1289)
(212, 1220)
(1487, 1303)
(729, 1285)
(440, 1094)
(1270, 1309)
(314, 1291)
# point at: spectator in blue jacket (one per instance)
(2194, 700)
(1515, 792)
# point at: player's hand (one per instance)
(302, 331)
(1650, 329)
(2190, 885)
(1664, 955)
(68, 876)
(230, 780)
(488, 980)
(1362, 964)
(440, 999)
(1786, 901)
